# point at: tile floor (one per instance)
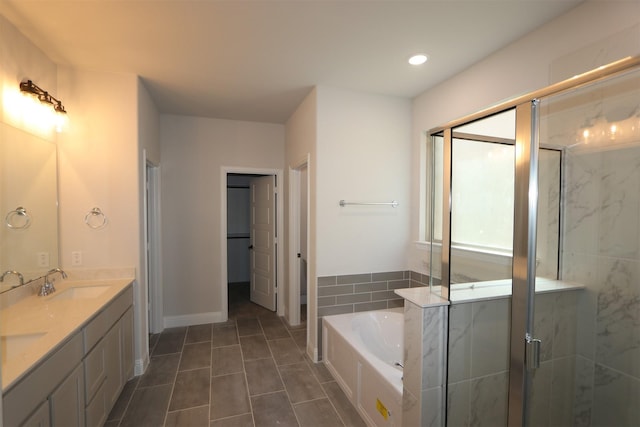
(249, 371)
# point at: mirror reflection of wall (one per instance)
(28, 179)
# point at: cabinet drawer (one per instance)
(67, 401)
(94, 370)
(40, 418)
(99, 325)
(96, 410)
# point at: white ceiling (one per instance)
(256, 60)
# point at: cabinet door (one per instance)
(113, 365)
(40, 418)
(126, 324)
(67, 401)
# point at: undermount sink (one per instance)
(80, 292)
(15, 345)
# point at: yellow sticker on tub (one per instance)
(382, 409)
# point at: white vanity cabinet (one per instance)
(78, 384)
(108, 363)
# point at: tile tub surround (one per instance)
(352, 293)
(364, 292)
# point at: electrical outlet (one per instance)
(76, 258)
(43, 259)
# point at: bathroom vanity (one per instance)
(67, 356)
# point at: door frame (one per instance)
(224, 171)
(152, 254)
(294, 240)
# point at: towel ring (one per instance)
(95, 219)
(18, 213)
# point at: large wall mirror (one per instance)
(28, 205)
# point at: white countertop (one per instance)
(56, 318)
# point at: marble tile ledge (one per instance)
(33, 327)
(480, 291)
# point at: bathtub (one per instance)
(364, 353)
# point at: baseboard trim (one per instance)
(140, 365)
(194, 319)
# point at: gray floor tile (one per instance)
(248, 326)
(317, 413)
(194, 417)
(245, 420)
(226, 360)
(300, 338)
(320, 371)
(148, 407)
(170, 341)
(254, 347)
(161, 370)
(196, 356)
(262, 376)
(300, 383)
(123, 400)
(341, 403)
(285, 351)
(153, 340)
(273, 409)
(273, 328)
(191, 389)
(225, 335)
(229, 396)
(199, 333)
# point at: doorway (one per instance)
(153, 276)
(251, 218)
(298, 243)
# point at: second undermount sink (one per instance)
(80, 292)
(15, 345)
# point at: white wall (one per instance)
(301, 141)
(363, 155)
(99, 166)
(590, 35)
(194, 150)
(148, 151)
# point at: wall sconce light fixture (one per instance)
(42, 95)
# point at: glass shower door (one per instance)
(589, 372)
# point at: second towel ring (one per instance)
(17, 213)
(95, 219)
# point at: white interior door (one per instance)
(263, 241)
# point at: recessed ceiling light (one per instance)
(418, 59)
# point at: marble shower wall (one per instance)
(478, 373)
(602, 251)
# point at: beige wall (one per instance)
(194, 150)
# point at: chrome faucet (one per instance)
(15, 273)
(47, 287)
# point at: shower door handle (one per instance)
(532, 352)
